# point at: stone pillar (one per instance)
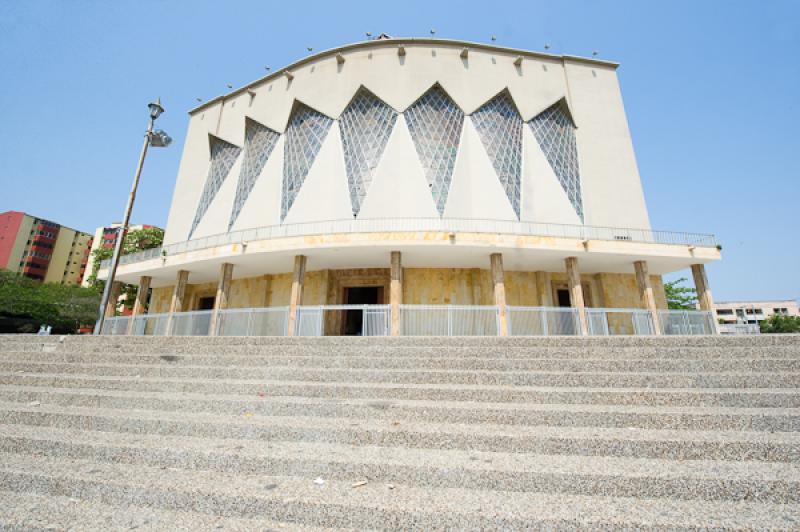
(141, 300)
(113, 299)
(176, 304)
(221, 301)
(499, 283)
(646, 292)
(396, 292)
(296, 298)
(576, 292)
(702, 288)
(544, 287)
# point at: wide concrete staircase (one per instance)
(399, 433)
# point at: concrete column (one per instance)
(544, 287)
(223, 291)
(396, 292)
(576, 292)
(499, 283)
(113, 299)
(702, 288)
(646, 292)
(296, 298)
(176, 304)
(141, 300)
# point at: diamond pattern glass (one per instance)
(304, 137)
(365, 127)
(223, 155)
(555, 133)
(500, 127)
(435, 123)
(259, 142)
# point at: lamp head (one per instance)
(155, 108)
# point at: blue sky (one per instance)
(710, 87)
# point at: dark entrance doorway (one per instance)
(206, 303)
(563, 297)
(359, 295)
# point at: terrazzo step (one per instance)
(198, 348)
(693, 418)
(340, 361)
(661, 379)
(374, 505)
(475, 470)
(28, 511)
(585, 441)
(731, 397)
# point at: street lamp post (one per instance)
(157, 139)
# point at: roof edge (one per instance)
(384, 42)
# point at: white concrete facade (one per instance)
(588, 89)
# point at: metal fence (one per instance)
(268, 321)
(415, 320)
(739, 328)
(448, 320)
(335, 320)
(583, 232)
(542, 321)
(619, 321)
(687, 322)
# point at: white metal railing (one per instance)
(542, 321)
(448, 320)
(195, 323)
(417, 320)
(739, 328)
(332, 320)
(384, 225)
(687, 322)
(267, 321)
(619, 321)
(150, 324)
(116, 325)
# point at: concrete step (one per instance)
(29, 511)
(672, 417)
(540, 439)
(297, 499)
(731, 397)
(644, 379)
(453, 362)
(200, 348)
(476, 470)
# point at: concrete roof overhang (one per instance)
(421, 249)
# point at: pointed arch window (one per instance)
(305, 134)
(499, 126)
(435, 123)
(223, 156)
(258, 145)
(365, 128)
(554, 130)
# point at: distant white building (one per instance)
(753, 312)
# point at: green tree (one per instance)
(680, 297)
(65, 307)
(137, 240)
(780, 323)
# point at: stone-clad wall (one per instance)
(433, 286)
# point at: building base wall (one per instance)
(421, 286)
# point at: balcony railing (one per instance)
(456, 225)
(415, 320)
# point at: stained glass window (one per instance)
(304, 137)
(365, 126)
(435, 123)
(259, 142)
(500, 128)
(555, 132)
(223, 155)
